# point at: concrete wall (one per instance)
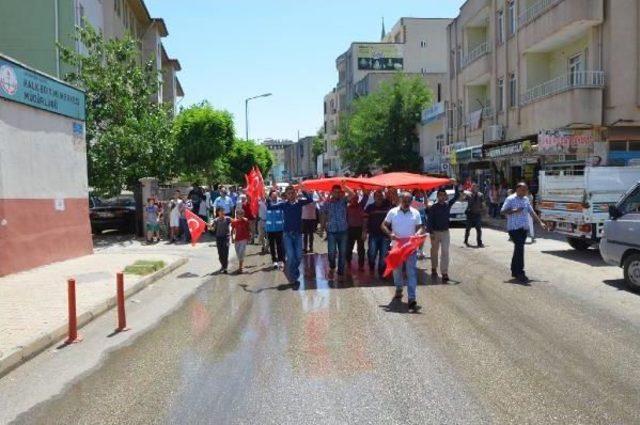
(44, 215)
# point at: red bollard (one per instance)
(73, 336)
(122, 318)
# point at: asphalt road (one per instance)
(250, 350)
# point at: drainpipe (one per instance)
(56, 36)
(505, 80)
(517, 71)
(494, 72)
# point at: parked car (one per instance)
(117, 213)
(620, 242)
(458, 209)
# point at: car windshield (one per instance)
(118, 201)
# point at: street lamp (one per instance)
(246, 113)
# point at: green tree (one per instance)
(317, 148)
(203, 135)
(128, 136)
(243, 156)
(381, 128)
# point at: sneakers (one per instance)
(480, 245)
(467, 243)
(413, 305)
(445, 277)
(398, 295)
(434, 272)
(276, 266)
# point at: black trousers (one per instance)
(222, 243)
(275, 246)
(308, 228)
(474, 220)
(518, 237)
(354, 237)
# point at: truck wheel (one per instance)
(632, 271)
(579, 244)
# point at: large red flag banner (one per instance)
(255, 189)
(408, 181)
(325, 185)
(196, 226)
(401, 251)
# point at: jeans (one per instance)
(275, 246)
(308, 228)
(337, 242)
(474, 220)
(293, 250)
(412, 276)
(222, 243)
(355, 238)
(378, 248)
(518, 237)
(184, 230)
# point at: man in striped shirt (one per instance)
(517, 209)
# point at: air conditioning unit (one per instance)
(494, 133)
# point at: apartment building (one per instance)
(31, 29)
(415, 46)
(279, 171)
(299, 159)
(542, 83)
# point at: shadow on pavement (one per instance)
(620, 285)
(590, 257)
(398, 306)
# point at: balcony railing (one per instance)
(569, 81)
(476, 53)
(535, 10)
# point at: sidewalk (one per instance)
(33, 304)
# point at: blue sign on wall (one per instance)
(22, 85)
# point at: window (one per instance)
(125, 17)
(632, 203)
(500, 27)
(634, 145)
(513, 93)
(325, 127)
(618, 146)
(511, 7)
(325, 109)
(500, 94)
(118, 6)
(81, 13)
(423, 43)
(439, 90)
(575, 68)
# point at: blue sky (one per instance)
(233, 49)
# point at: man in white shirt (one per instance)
(401, 223)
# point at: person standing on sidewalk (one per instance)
(378, 241)
(274, 226)
(356, 233)
(309, 225)
(240, 234)
(221, 227)
(292, 237)
(475, 207)
(517, 208)
(334, 223)
(400, 224)
(438, 227)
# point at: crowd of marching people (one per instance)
(386, 228)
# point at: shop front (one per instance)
(514, 162)
(472, 164)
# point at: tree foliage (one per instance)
(203, 135)
(128, 135)
(381, 128)
(317, 148)
(244, 155)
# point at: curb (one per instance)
(44, 340)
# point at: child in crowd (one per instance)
(221, 227)
(174, 220)
(241, 233)
(152, 216)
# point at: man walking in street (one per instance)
(292, 238)
(475, 206)
(356, 231)
(517, 208)
(274, 227)
(378, 242)
(438, 227)
(334, 223)
(225, 202)
(400, 224)
(309, 225)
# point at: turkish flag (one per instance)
(255, 188)
(401, 251)
(196, 226)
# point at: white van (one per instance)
(620, 243)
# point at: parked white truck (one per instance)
(575, 202)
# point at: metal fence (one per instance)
(535, 10)
(477, 52)
(569, 81)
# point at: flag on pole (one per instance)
(401, 251)
(196, 226)
(255, 189)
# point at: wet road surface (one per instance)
(250, 350)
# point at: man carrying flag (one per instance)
(403, 225)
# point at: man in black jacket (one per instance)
(438, 227)
(474, 215)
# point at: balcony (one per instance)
(562, 83)
(547, 24)
(475, 54)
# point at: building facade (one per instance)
(279, 171)
(539, 83)
(31, 29)
(300, 162)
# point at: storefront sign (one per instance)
(505, 150)
(432, 113)
(467, 154)
(22, 85)
(380, 57)
(558, 142)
